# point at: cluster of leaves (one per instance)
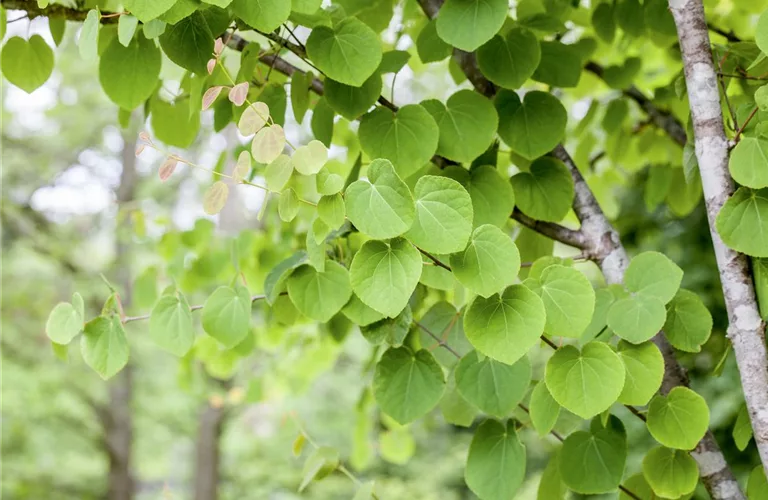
(419, 254)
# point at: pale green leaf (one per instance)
(490, 262)
(496, 462)
(688, 323)
(27, 63)
(652, 274)
(493, 387)
(678, 420)
(264, 15)
(546, 191)
(742, 429)
(146, 10)
(446, 323)
(104, 346)
(170, 324)
(275, 280)
(393, 331)
(636, 318)
(278, 173)
(593, 462)
(64, 323)
(126, 27)
(320, 295)
(749, 162)
(467, 24)
(309, 159)
(360, 314)
(443, 215)
(543, 409)
(644, 371)
(569, 301)
(743, 221)
(227, 314)
(670, 473)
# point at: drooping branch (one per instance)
(551, 230)
(746, 328)
(604, 245)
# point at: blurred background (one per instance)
(77, 202)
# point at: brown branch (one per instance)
(551, 230)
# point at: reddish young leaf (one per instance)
(215, 198)
(210, 95)
(239, 93)
(139, 149)
(167, 168)
(218, 46)
(211, 65)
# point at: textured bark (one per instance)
(604, 246)
(746, 329)
(207, 452)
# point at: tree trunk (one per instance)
(746, 328)
(207, 452)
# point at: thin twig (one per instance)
(129, 319)
(434, 259)
(746, 122)
(743, 77)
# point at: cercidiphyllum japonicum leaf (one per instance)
(268, 144)
(743, 221)
(146, 10)
(603, 22)
(310, 159)
(64, 323)
(749, 162)
(360, 314)
(300, 83)
(455, 409)
(560, 65)
(104, 346)
(278, 173)
(384, 274)
(652, 274)
(408, 138)
(189, 42)
(757, 485)
(569, 300)
(407, 384)
(508, 61)
(467, 123)
(689, 322)
(493, 198)
(126, 28)
(670, 473)
(328, 183)
(587, 381)
(443, 215)
(644, 371)
(254, 118)
(592, 462)
(227, 314)
(678, 420)
(429, 45)
(396, 446)
(129, 75)
(264, 15)
(445, 322)
(543, 409)
(496, 462)
(320, 295)
(88, 41)
(27, 63)
(761, 33)
(331, 210)
(490, 262)
(393, 331)
(381, 206)
(546, 191)
(352, 101)
(742, 429)
(215, 197)
(322, 462)
(492, 386)
(636, 318)
(467, 24)
(170, 324)
(274, 283)
(531, 127)
(505, 326)
(348, 53)
(393, 61)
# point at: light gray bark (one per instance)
(746, 330)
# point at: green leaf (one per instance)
(444, 322)
(397, 446)
(586, 382)
(278, 173)
(496, 462)
(189, 43)
(467, 24)
(64, 323)
(749, 162)
(636, 318)
(215, 197)
(678, 420)
(57, 26)
(407, 138)
(308, 159)
(129, 74)
(146, 10)
(322, 122)
(456, 410)
(27, 64)
(757, 486)
(652, 274)
(393, 61)
(505, 326)
(384, 274)
(689, 322)
(104, 346)
(360, 314)
(603, 22)
(349, 52)
(320, 295)
(490, 262)
(170, 324)
(593, 462)
(742, 429)
(743, 222)
(172, 122)
(543, 409)
(351, 102)
(288, 206)
(546, 192)
(670, 473)
(264, 15)
(467, 123)
(443, 215)
(492, 196)
(305, 6)
(569, 301)
(393, 331)
(88, 41)
(407, 385)
(761, 32)
(532, 127)
(560, 65)
(382, 206)
(630, 17)
(760, 274)
(300, 83)
(180, 10)
(551, 486)
(319, 464)
(430, 47)
(331, 210)
(509, 61)
(227, 315)
(493, 387)
(644, 371)
(126, 27)
(275, 280)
